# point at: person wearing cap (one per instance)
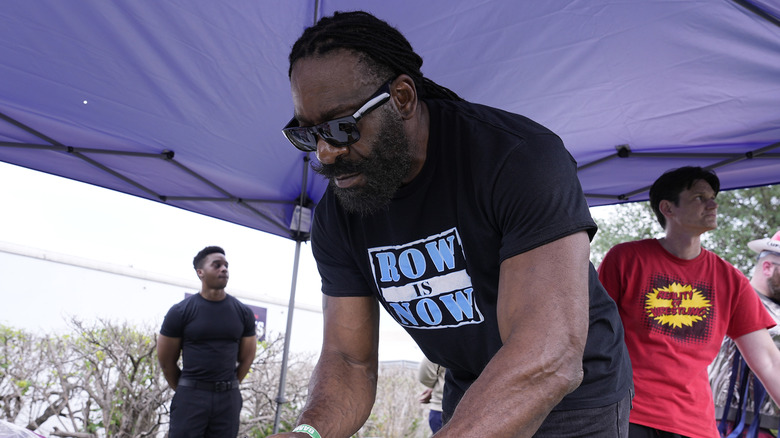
(215, 335)
(766, 282)
(678, 301)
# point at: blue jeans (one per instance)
(610, 421)
(434, 420)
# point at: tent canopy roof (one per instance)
(183, 101)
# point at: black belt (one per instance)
(209, 386)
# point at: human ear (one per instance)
(665, 207)
(404, 94)
(766, 268)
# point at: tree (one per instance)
(261, 386)
(122, 392)
(28, 391)
(743, 215)
(102, 379)
(397, 411)
(623, 223)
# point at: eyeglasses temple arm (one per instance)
(371, 104)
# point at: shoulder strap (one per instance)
(759, 394)
(743, 392)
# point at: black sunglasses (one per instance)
(339, 132)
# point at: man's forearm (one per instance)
(246, 355)
(341, 395)
(171, 374)
(243, 369)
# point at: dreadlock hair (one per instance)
(383, 49)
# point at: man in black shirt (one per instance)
(215, 335)
(469, 226)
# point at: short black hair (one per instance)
(197, 262)
(382, 48)
(669, 186)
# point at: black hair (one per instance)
(197, 262)
(383, 49)
(669, 186)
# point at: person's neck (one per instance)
(759, 287)
(213, 294)
(759, 283)
(686, 247)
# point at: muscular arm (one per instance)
(763, 357)
(343, 385)
(168, 352)
(246, 355)
(543, 309)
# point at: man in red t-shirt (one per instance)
(677, 302)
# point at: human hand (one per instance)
(425, 397)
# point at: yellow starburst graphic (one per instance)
(677, 305)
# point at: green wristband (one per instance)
(305, 428)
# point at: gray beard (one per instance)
(384, 169)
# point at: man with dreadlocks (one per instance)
(469, 226)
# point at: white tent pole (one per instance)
(280, 400)
(300, 225)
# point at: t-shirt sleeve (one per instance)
(250, 328)
(336, 264)
(537, 196)
(748, 314)
(172, 324)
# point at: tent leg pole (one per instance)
(280, 400)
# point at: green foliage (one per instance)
(19, 379)
(103, 379)
(93, 381)
(622, 223)
(116, 360)
(744, 215)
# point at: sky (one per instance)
(82, 221)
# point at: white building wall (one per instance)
(41, 290)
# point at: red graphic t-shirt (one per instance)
(676, 313)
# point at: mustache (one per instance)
(340, 167)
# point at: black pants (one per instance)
(639, 431)
(199, 413)
(606, 422)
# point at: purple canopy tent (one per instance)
(182, 101)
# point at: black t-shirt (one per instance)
(210, 333)
(494, 185)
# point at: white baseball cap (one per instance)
(766, 244)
